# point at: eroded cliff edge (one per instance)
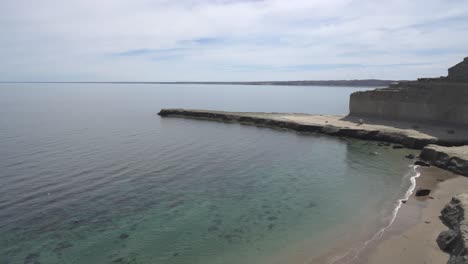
(454, 159)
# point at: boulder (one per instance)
(423, 192)
(398, 146)
(455, 240)
(447, 240)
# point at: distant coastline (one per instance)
(363, 82)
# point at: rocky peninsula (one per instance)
(430, 114)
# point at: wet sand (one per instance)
(412, 237)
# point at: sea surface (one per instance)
(89, 173)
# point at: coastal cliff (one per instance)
(454, 159)
(439, 100)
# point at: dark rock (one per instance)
(123, 236)
(62, 245)
(410, 156)
(118, 260)
(447, 240)
(404, 201)
(422, 192)
(217, 221)
(398, 146)
(421, 163)
(176, 203)
(213, 228)
(451, 214)
(457, 260)
(384, 144)
(442, 157)
(228, 237)
(330, 130)
(455, 241)
(32, 258)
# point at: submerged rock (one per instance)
(118, 260)
(398, 146)
(32, 258)
(410, 156)
(213, 228)
(63, 245)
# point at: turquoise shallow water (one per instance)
(90, 174)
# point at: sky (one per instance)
(230, 40)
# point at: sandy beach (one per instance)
(412, 237)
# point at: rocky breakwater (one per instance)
(454, 159)
(455, 240)
(325, 124)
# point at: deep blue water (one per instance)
(90, 174)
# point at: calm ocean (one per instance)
(89, 173)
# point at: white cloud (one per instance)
(230, 40)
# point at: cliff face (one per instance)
(439, 100)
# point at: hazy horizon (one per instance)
(230, 40)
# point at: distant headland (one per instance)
(361, 82)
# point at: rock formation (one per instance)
(455, 240)
(441, 100)
(459, 72)
(449, 158)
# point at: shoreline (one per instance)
(353, 251)
(412, 236)
(414, 225)
(428, 137)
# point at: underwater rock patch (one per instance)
(62, 245)
(32, 258)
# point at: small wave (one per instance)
(354, 254)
